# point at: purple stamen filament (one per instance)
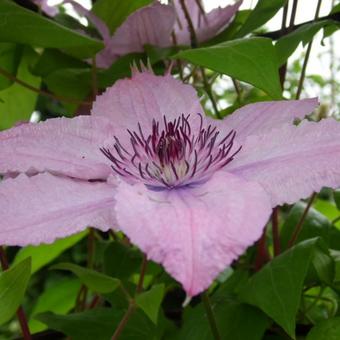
(173, 156)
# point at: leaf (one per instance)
(13, 284)
(315, 225)
(53, 59)
(150, 301)
(96, 281)
(276, 288)
(17, 102)
(100, 324)
(9, 61)
(337, 198)
(44, 254)
(234, 320)
(251, 60)
(121, 261)
(114, 12)
(263, 11)
(60, 298)
(22, 26)
(325, 330)
(286, 45)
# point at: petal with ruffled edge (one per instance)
(44, 207)
(293, 161)
(206, 25)
(150, 25)
(259, 118)
(61, 145)
(145, 97)
(195, 233)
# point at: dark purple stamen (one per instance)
(174, 156)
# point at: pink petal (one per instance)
(145, 97)
(52, 11)
(262, 117)
(65, 146)
(42, 208)
(293, 161)
(206, 25)
(195, 233)
(150, 25)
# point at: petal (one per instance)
(44, 207)
(195, 233)
(206, 25)
(52, 11)
(65, 146)
(150, 25)
(292, 162)
(145, 97)
(262, 117)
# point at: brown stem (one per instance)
(142, 274)
(299, 225)
(293, 15)
(191, 28)
(210, 94)
(20, 311)
(211, 316)
(262, 256)
(124, 321)
(94, 78)
(42, 92)
(276, 232)
(305, 62)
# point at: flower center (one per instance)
(173, 156)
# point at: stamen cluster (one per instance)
(172, 156)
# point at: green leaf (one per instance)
(13, 283)
(263, 11)
(234, 320)
(337, 198)
(9, 61)
(276, 289)
(53, 60)
(251, 60)
(286, 45)
(315, 225)
(100, 324)
(20, 25)
(17, 102)
(121, 261)
(150, 301)
(60, 298)
(325, 330)
(114, 12)
(96, 281)
(44, 254)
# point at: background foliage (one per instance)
(285, 287)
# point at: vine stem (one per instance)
(211, 316)
(11, 77)
(132, 303)
(276, 232)
(20, 311)
(299, 225)
(194, 44)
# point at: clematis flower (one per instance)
(154, 25)
(191, 192)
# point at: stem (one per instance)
(42, 92)
(91, 246)
(262, 255)
(209, 93)
(237, 89)
(211, 316)
(191, 27)
(20, 311)
(292, 17)
(276, 232)
(124, 321)
(283, 68)
(298, 227)
(305, 62)
(142, 275)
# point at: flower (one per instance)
(154, 25)
(46, 8)
(190, 191)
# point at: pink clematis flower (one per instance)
(191, 192)
(154, 25)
